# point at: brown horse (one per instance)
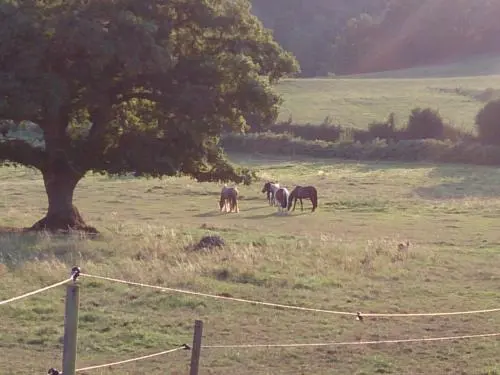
(229, 199)
(303, 192)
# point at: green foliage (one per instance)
(424, 123)
(488, 123)
(386, 130)
(310, 132)
(310, 31)
(404, 150)
(129, 86)
(356, 36)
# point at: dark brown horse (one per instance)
(303, 192)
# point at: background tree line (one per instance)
(354, 36)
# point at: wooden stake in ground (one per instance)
(196, 349)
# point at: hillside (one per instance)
(475, 66)
(356, 36)
(357, 101)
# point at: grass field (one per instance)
(458, 91)
(343, 257)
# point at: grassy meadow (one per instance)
(342, 257)
(457, 90)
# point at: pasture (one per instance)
(342, 257)
(457, 90)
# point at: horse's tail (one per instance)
(290, 199)
(284, 202)
(221, 201)
(234, 200)
(314, 199)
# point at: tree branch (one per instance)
(21, 152)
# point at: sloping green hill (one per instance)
(477, 66)
(457, 90)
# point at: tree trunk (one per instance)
(61, 214)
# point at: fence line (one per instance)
(347, 343)
(359, 315)
(183, 347)
(35, 291)
(75, 272)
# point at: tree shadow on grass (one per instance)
(462, 181)
(265, 216)
(18, 247)
(209, 214)
(218, 213)
(372, 166)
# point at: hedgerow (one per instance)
(445, 151)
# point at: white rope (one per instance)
(350, 342)
(166, 289)
(129, 360)
(34, 292)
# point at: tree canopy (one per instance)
(131, 86)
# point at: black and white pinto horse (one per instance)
(282, 195)
(270, 188)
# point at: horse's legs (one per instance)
(294, 203)
(301, 205)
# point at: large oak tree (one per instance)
(130, 86)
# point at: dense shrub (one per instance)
(424, 123)
(488, 123)
(455, 134)
(382, 130)
(325, 132)
(404, 150)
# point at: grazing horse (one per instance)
(303, 192)
(229, 199)
(270, 189)
(282, 195)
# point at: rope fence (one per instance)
(358, 314)
(183, 347)
(292, 345)
(72, 299)
(351, 343)
(35, 292)
(54, 371)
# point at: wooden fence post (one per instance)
(70, 328)
(196, 349)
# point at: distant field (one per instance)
(473, 67)
(343, 257)
(458, 91)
